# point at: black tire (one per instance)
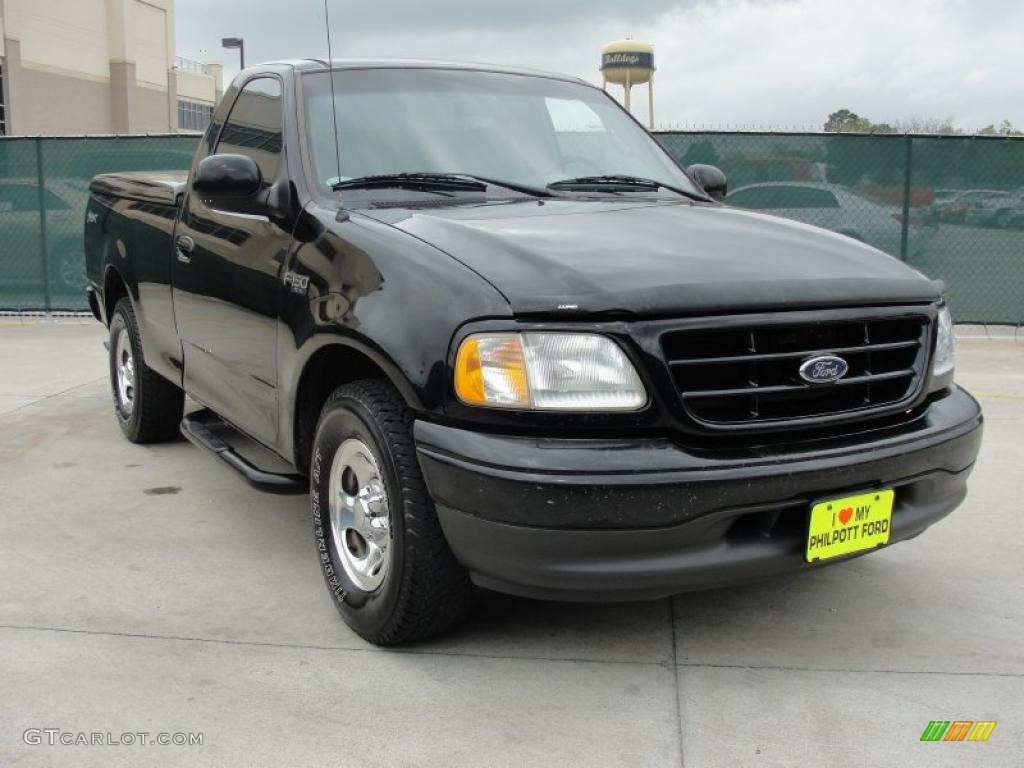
(157, 405)
(424, 592)
(1002, 220)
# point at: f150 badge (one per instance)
(297, 283)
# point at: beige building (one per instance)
(98, 66)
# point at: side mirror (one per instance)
(227, 175)
(711, 180)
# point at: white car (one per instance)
(998, 209)
(831, 206)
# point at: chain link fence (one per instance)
(44, 187)
(950, 206)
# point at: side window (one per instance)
(822, 198)
(253, 126)
(758, 198)
(806, 197)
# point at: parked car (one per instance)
(956, 210)
(945, 205)
(745, 172)
(496, 355)
(998, 209)
(831, 206)
(24, 270)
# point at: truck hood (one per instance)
(655, 257)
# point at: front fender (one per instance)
(361, 283)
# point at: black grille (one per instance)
(749, 375)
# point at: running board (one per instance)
(202, 428)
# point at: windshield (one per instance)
(527, 130)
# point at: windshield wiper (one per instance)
(515, 186)
(435, 182)
(622, 180)
(455, 182)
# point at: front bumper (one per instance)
(637, 519)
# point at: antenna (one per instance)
(330, 74)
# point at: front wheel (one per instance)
(383, 555)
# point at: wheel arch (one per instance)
(115, 288)
(329, 365)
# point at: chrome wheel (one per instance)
(125, 367)
(360, 518)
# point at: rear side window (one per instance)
(758, 198)
(253, 126)
(804, 197)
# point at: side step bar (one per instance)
(201, 428)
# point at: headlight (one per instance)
(547, 371)
(942, 363)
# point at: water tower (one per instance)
(628, 63)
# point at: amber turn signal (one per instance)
(490, 370)
(547, 371)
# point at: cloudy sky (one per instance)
(721, 63)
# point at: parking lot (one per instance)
(148, 589)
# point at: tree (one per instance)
(845, 121)
(1006, 128)
(927, 125)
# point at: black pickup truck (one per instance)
(502, 339)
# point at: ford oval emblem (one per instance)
(823, 369)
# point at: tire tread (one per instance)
(436, 592)
(160, 404)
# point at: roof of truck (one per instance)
(315, 65)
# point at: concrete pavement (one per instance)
(149, 589)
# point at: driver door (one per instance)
(226, 277)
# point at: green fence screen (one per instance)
(44, 186)
(950, 206)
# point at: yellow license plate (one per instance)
(851, 524)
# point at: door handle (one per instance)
(183, 247)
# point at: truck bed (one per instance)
(148, 186)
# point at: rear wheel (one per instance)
(147, 406)
(382, 552)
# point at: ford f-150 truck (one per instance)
(502, 339)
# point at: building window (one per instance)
(193, 116)
(3, 103)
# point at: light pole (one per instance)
(236, 42)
